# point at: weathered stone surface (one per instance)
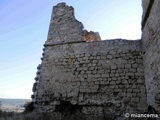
(91, 36)
(84, 72)
(151, 51)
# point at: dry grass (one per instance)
(10, 115)
(38, 116)
(64, 113)
(31, 114)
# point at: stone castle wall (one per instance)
(105, 78)
(95, 73)
(151, 51)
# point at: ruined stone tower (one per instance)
(105, 79)
(64, 28)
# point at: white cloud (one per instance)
(20, 92)
(132, 31)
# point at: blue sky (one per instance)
(24, 27)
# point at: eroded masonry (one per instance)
(103, 78)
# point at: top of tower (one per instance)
(62, 9)
(64, 28)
